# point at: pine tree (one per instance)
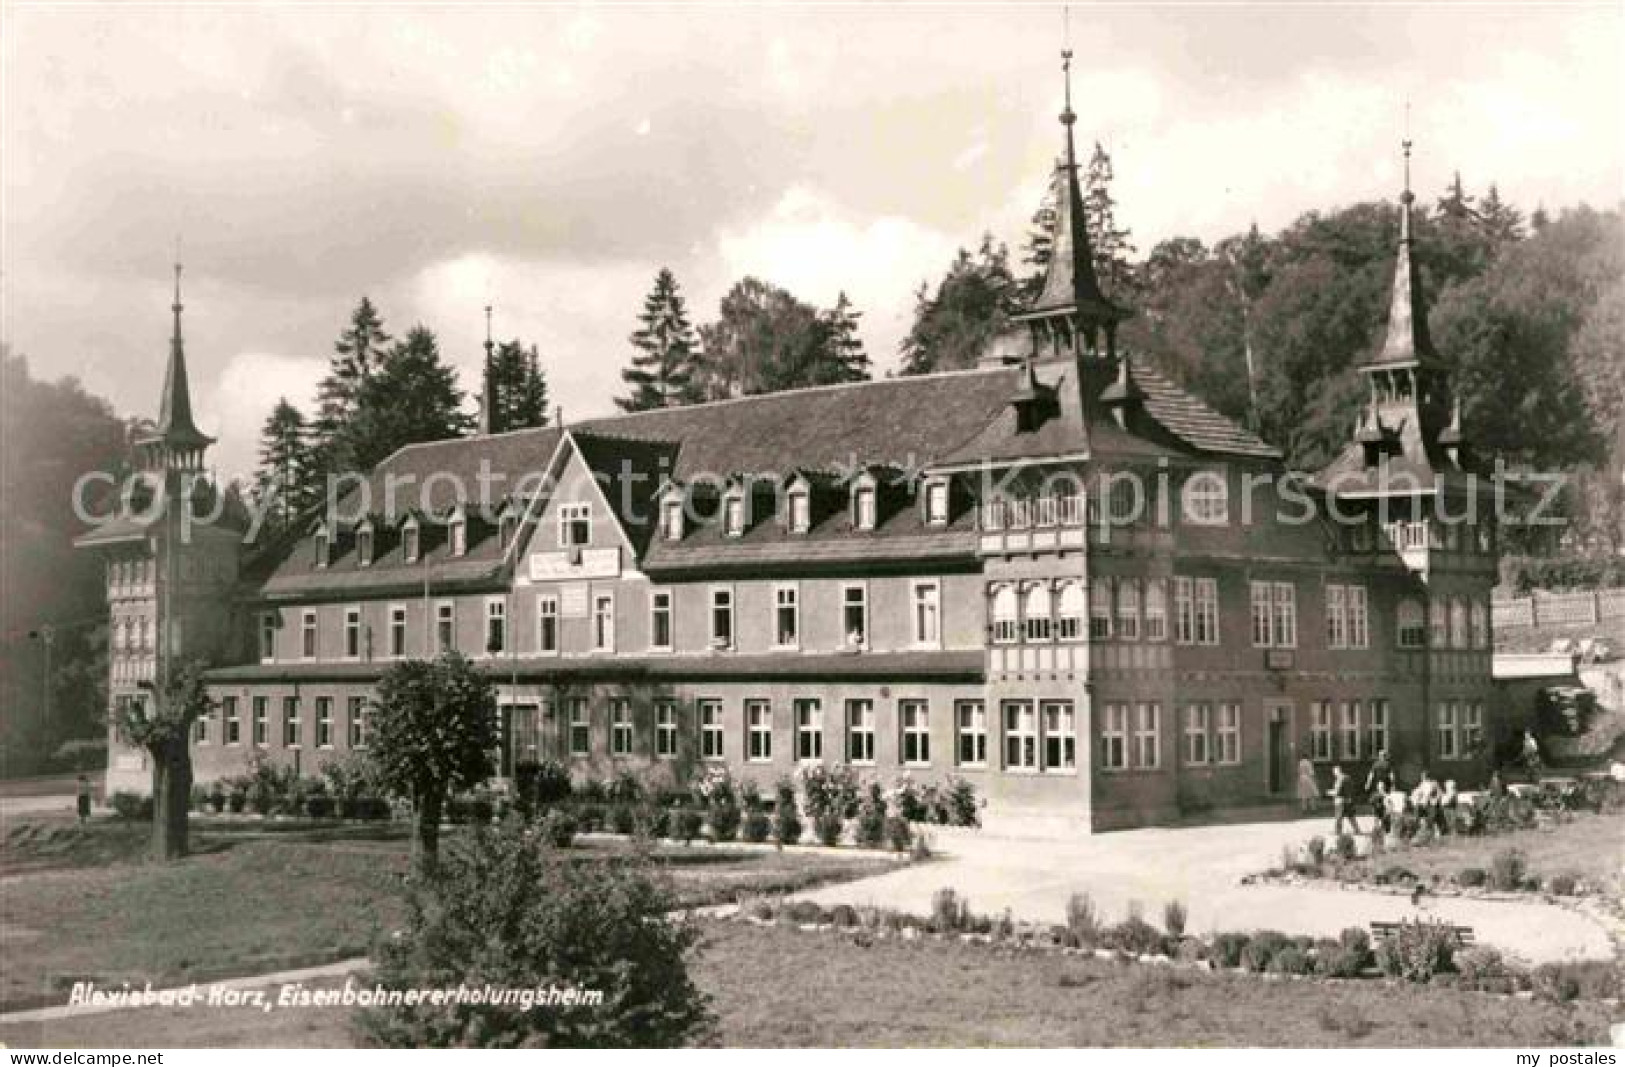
(1040, 244)
(288, 474)
(1502, 222)
(850, 363)
(954, 326)
(662, 373)
(413, 397)
(1110, 245)
(518, 387)
(357, 356)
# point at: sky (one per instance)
(547, 161)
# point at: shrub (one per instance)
(1256, 957)
(950, 913)
(1228, 948)
(622, 819)
(1315, 849)
(1333, 960)
(1356, 940)
(1508, 868)
(1578, 980)
(236, 801)
(786, 820)
(1565, 884)
(1551, 981)
(510, 913)
(1471, 877)
(589, 817)
(1393, 874)
(480, 809)
(804, 911)
(132, 806)
(1082, 920)
(1173, 918)
(1135, 935)
(960, 800)
(828, 827)
(319, 806)
(844, 916)
(651, 821)
(725, 819)
(624, 788)
(687, 824)
(1479, 963)
(756, 826)
(899, 835)
(908, 800)
(558, 828)
(1417, 951)
(869, 829)
(1290, 960)
(591, 790)
(541, 784)
(828, 791)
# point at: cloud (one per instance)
(235, 405)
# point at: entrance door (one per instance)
(519, 738)
(1278, 745)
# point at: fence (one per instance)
(1559, 609)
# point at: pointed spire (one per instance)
(176, 429)
(488, 420)
(1071, 288)
(1406, 343)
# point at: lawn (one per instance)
(249, 903)
(779, 987)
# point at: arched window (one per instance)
(1006, 615)
(1205, 499)
(1156, 609)
(1128, 609)
(1038, 613)
(1069, 618)
(1411, 625)
(1100, 609)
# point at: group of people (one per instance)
(1433, 804)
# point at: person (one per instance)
(1498, 788)
(1397, 800)
(1531, 753)
(84, 796)
(1343, 801)
(1308, 787)
(1425, 797)
(1382, 807)
(1381, 773)
(1449, 802)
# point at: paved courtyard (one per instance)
(1201, 866)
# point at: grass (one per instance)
(775, 987)
(251, 903)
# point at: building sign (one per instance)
(575, 564)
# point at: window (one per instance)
(262, 721)
(1227, 741)
(200, 729)
(547, 623)
(1439, 623)
(671, 520)
(710, 729)
(290, 722)
(397, 630)
(1458, 623)
(1275, 615)
(1472, 728)
(603, 623)
(363, 546)
(352, 633)
(1410, 624)
(1197, 718)
(1359, 618)
(1020, 736)
(233, 719)
(1261, 614)
(1060, 735)
(496, 625)
(855, 616)
(758, 731)
(324, 548)
(1156, 610)
(1038, 612)
(1069, 616)
(1128, 609)
(660, 633)
(1376, 726)
(666, 729)
(863, 507)
(722, 618)
(1205, 498)
(1006, 615)
(267, 636)
(800, 511)
(409, 541)
(1480, 624)
(971, 717)
(620, 727)
(307, 634)
(355, 711)
(324, 722)
(1446, 727)
(927, 614)
(1100, 609)
(809, 714)
(1336, 621)
(915, 716)
(1349, 720)
(1148, 735)
(936, 503)
(786, 616)
(860, 731)
(575, 525)
(733, 516)
(580, 727)
(1205, 612)
(1114, 738)
(1320, 731)
(445, 626)
(459, 535)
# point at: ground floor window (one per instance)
(1350, 723)
(1320, 731)
(860, 731)
(1148, 736)
(356, 713)
(324, 722)
(1020, 736)
(1227, 741)
(1060, 735)
(1446, 727)
(809, 729)
(710, 729)
(1377, 726)
(759, 731)
(1472, 727)
(580, 727)
(916, 720)
(620, 727)
(666, 728)
(290, 722)
(262, 721)
(233, 720)
(1114, 737)
(1197, 722)
(971, 716)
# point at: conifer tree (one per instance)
(413, 398)
(662, 373)
(288, 474)
(518, 387)
(1040, 244)
(357, 356)
(849, 362)
(1111, 245)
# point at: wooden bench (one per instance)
(1382, 931)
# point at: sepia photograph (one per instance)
(812, 525)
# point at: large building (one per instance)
(1057, 575)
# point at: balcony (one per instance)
(1034, 524)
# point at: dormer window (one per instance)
(410, 545)
(671, 519)
(863, 507)
(363, 546)
(324, 548)
(800, 511)
(733, 515)
(458, 528)
(936, 503)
